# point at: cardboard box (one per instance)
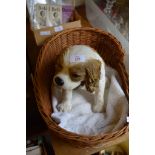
(43, 34)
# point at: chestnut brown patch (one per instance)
(92, 76)
(77, 72)
(88, 72)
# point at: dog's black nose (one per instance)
(59, 81)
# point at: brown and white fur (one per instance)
(88, 72)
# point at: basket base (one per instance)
(63, 148)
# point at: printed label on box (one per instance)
(45, 33)
(58, 28)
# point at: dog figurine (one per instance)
(80, 66)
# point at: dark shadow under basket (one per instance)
(110, 50)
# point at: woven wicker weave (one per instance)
(112, 53)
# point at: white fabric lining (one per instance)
(82, 120)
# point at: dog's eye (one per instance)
(75, 75)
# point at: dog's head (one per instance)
(72, 75)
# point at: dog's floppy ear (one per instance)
(92, 69)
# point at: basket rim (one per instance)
(99, 30)
(92, 139)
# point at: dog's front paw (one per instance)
(64, 107)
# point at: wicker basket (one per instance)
(112, 53)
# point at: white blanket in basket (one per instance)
(82, 120)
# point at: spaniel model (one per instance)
(80, 66)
